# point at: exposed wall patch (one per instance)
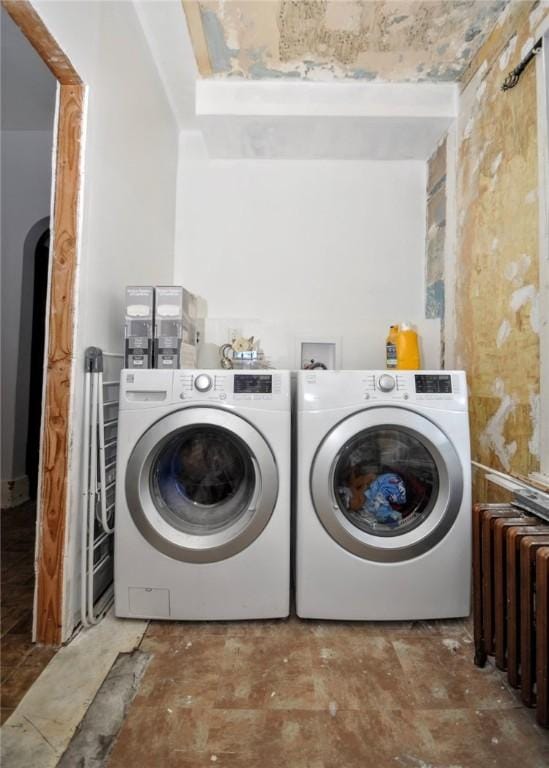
(493, 436)
(507, 53)
(516, 270)
(504, 332)
(535, 411)
(481, 90)
(522, 296)
(220, 54)
(496, 163)
(435, 289)
(527, 47)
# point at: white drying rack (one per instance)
(99, 481)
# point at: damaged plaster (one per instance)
(497, 250)
(381, 40)
(436, 239)
(492, 436)
(535, 414)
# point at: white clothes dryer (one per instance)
(203, 495)
(383, 499)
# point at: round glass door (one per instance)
(386, 481)
(201, 484)
(387, 484)
(203, 479)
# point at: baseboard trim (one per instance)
(14, 492)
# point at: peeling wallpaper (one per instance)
(373, 40)
(498, 250)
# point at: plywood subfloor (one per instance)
(323, 694)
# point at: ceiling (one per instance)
(368, 40)
(28, 87)
(289, 120)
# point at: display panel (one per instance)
(253, 384)
(433, 384)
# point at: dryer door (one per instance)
(387, 484)
(201, 484)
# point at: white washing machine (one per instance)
(203, 495)
(383, 498)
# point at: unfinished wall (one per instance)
(497, 248)
(436, 239)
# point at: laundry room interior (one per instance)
(275, 383)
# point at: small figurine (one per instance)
(240, 344)
(237, 346)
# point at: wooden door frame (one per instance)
(53, 494)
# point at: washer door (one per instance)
(387, 484)
(201, 484)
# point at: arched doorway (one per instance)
(37, 252)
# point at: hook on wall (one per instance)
(514, 76)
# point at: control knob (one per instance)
(203, 382)
(386, 383)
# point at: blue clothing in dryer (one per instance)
(385, 490)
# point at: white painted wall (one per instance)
(26, 184)
(128, 196)
(285, 249)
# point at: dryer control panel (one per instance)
(334, 389)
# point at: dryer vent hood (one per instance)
(288, 120)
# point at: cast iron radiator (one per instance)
(511, 599)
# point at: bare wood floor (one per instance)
(292, 693)
(21, 661)
(308, 694)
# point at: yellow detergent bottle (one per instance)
(407, 348)
(390, 347)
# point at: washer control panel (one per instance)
(255, 389)
(231, 387)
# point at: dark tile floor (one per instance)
(308, 694)
(20, 661)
